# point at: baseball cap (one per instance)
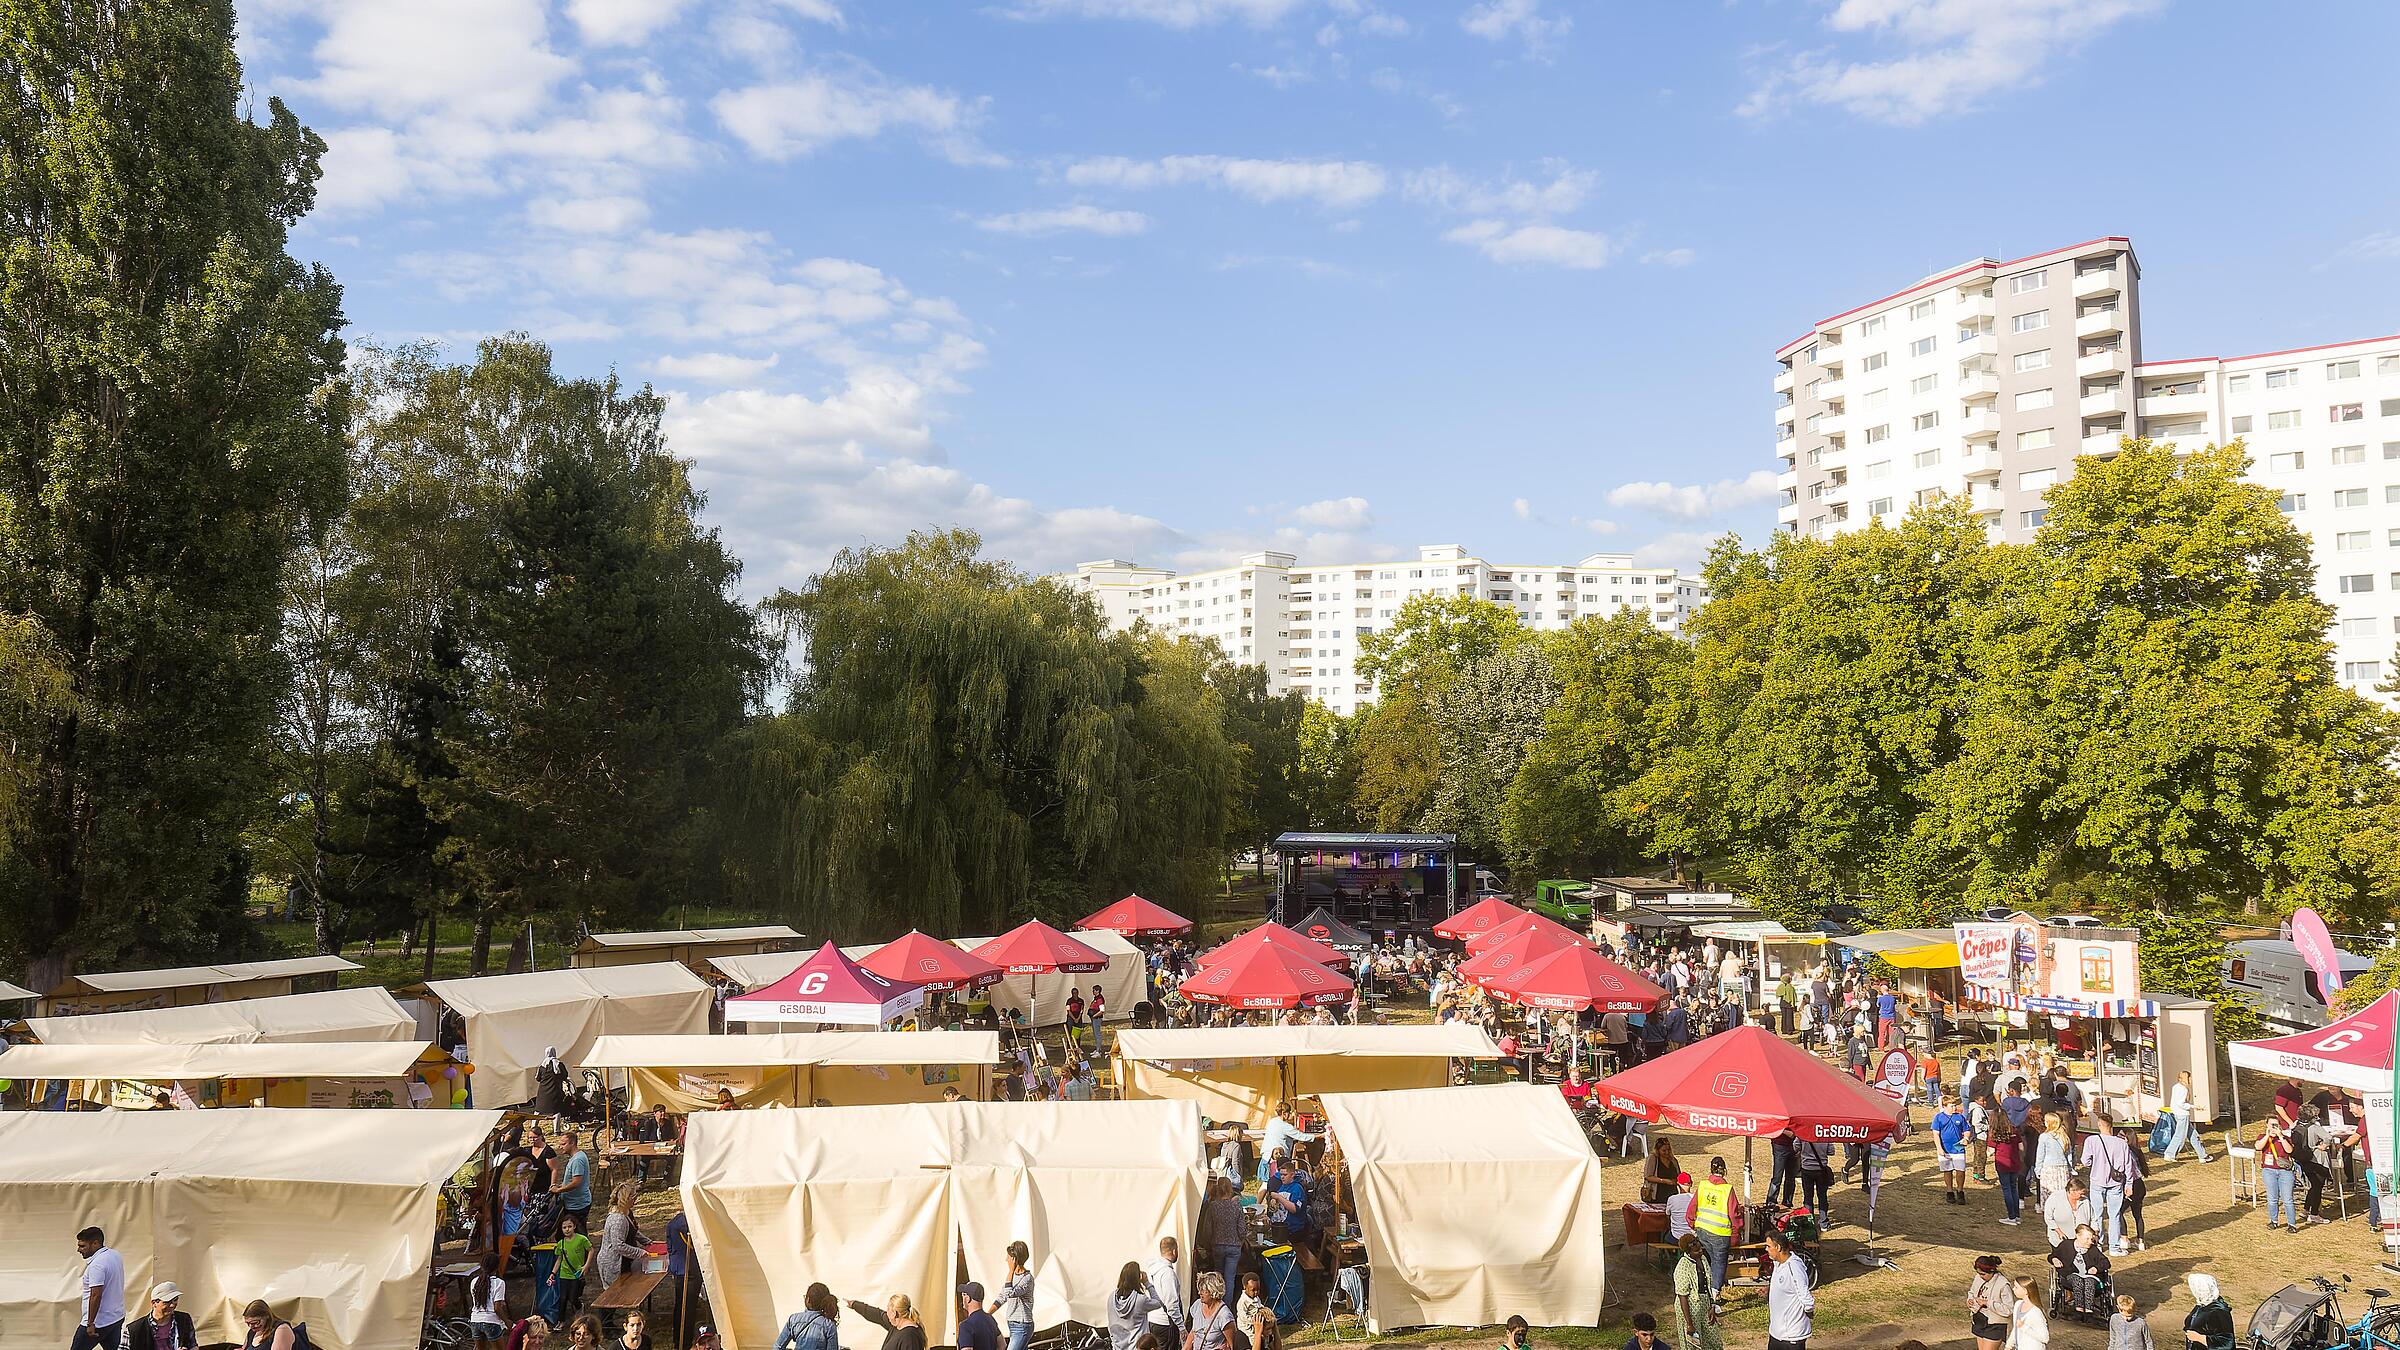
(165, 1292)
(1683, 1178)
(704, 1334)
(973, 1290)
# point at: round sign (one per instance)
(1892, 1073)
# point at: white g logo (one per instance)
(811, 984)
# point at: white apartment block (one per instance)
(1302, 621)
(1990, 381)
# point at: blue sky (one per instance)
(1177, 279)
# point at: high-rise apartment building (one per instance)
(1302, 621)
(1990, 381)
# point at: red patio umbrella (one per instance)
(1267, 975)
(1509, 928)
(1035, 948)
(1498, 957)
(1272, 934)
(1485, 913)
(828, 987)
(1749, 1081)
(1576, 978)
(931, 962)
(1134, 917)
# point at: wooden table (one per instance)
(632, 1290)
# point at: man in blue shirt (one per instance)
(976, 1330)
(2014, 1103)
(1291, 1198)
(1950, 1131)
(1887, 1018)
(1679, 1024)
(574, 1184)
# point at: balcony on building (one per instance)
(1978, 422)
(2187, 397)
(1783, 381)
(1975, 299)
(2187, 434)
(1981, 460)
(2105, 400)
(1985, 343)
(1978, 379)
(2103, 441)
(1983, 497)
(2093, 281)
(2101, 320)
(1830, 388)
(1833, 424)
(2103, 361)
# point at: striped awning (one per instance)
(2061, 1007)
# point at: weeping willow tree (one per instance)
(965, 747)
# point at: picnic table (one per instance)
(632, 1290)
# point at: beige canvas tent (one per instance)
(512, 1019)
(842, 1068)
(10, 993)
(1238, 1073)
(691, 946)
(185, 985)
(327, 1215)
(1125, 982)
(874, 1200)
(1475, 1203)
(299, 1074)
(336, 1015)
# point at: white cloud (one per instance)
(786, 119)
(1327, 182)
(1696, 501)
(1536, 245)
(1682, 549)
(2380, 244)
(588, 215)
(1383, 25)
(1282, 77)
(1167, 13)
(1453, 191)
(1953, 55)
(1335, 513)
(610, 23)
(1390, 81)
(1500, 20)
(1063, 219)
(1670, 257)
(715, 368)
(488, 60)
(1523, 508)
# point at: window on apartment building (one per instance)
(1881, 468)
(2391, 537)
(2030, 322)
(1441, 571)
(2293, 501)
(1924, 384)
(1808, 354)
(2032, 360)
(2287, 461)
(1980, 328)
(1873, 399)
(1926, 421)
(1879, 432)
(1923, 309)
(1816, 525)
(1881, 506)
(2027, 281)
(2287, 420)
(1926, 459)
(2346, 412)
(2349, 454)
(2039, 439)
(2353, 541)
(2390, 407)
(1871, 327)
(1873, 361)
(1925, 496)
(2241, 425)
(1921, 347)
(2349, 499)
(2387, 365)
(2237, 384)
(2341, 370)
(2037, 480)
(2364, 626)
(2032, 520)
(2362, 672)
(2034, 398)
(2284, 378)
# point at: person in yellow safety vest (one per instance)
(1715, 1217)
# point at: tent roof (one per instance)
(9, 991)
(2353, 1052)
(1267, 975)
(1749, 1081)
(767, 967)
(1036, 948)
(1272, 934)
(340, 1148)
(686, 937)
(1908, 948)
(766, 1052)
(547, 988)
(1457, 1040)
(917, 959)
(1576, 977)
(1489, 912)
(334, 1015)
(1493, 1123)
(1133, 914)
(192, 977)
(157, 1062)
(1509, 928)
(777, 1147)
(1497, 956)
(1306, 840)
(1753, 930)
(1322, 926)
(828, 987)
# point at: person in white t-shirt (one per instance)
(1679, 1208)
(2179, 1106)
(487, 1302)
(103, 1312)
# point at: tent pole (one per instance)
(1747, 1141)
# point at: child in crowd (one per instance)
(2128, 1330)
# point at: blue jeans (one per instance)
(2183, 1134)
(1227, 1262)
(1717, 1246)
(1019, 1333)
(2011, 1196)
(2279, 1195)
(2109, 1202)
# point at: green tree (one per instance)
(1396, 760)
(169, 430)
(1264, 729)
(2153, 704)
(1327, 770)
(1485, 722)
(2183, 952)
(1567, 811)
(1432, 639)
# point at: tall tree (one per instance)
(1264, 729)
(1485, 721)
(1326, 769)
(169, 429)
(1567, 809)
(1397, 752)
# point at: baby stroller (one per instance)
(2086, 1298)
(2298, 1317)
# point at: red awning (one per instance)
(931, 962)
(1273, 934)
(1035, 948)
(1576, 978)
(1135, 917)
(828, 987)
(1752, 1082)
(1540, 923)
(1502, 955)
(1267, 975)
(2353, 1052)
(1488, 912)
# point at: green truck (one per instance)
(1566, 900)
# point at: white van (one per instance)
(2286, 991)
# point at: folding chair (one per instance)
(1348, 1295)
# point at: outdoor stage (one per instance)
(1382, 883)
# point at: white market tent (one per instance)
(10, 993)
(1042, 997)
(1239, 1073)
(327, 1215)
(875, 1200)
(186, 985)
(512, 1019)
(1475, 1203)
(843, 1068)
(691, 946)
(369, 1014)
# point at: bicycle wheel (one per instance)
(441, 1333)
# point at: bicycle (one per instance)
(2379, 1329)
